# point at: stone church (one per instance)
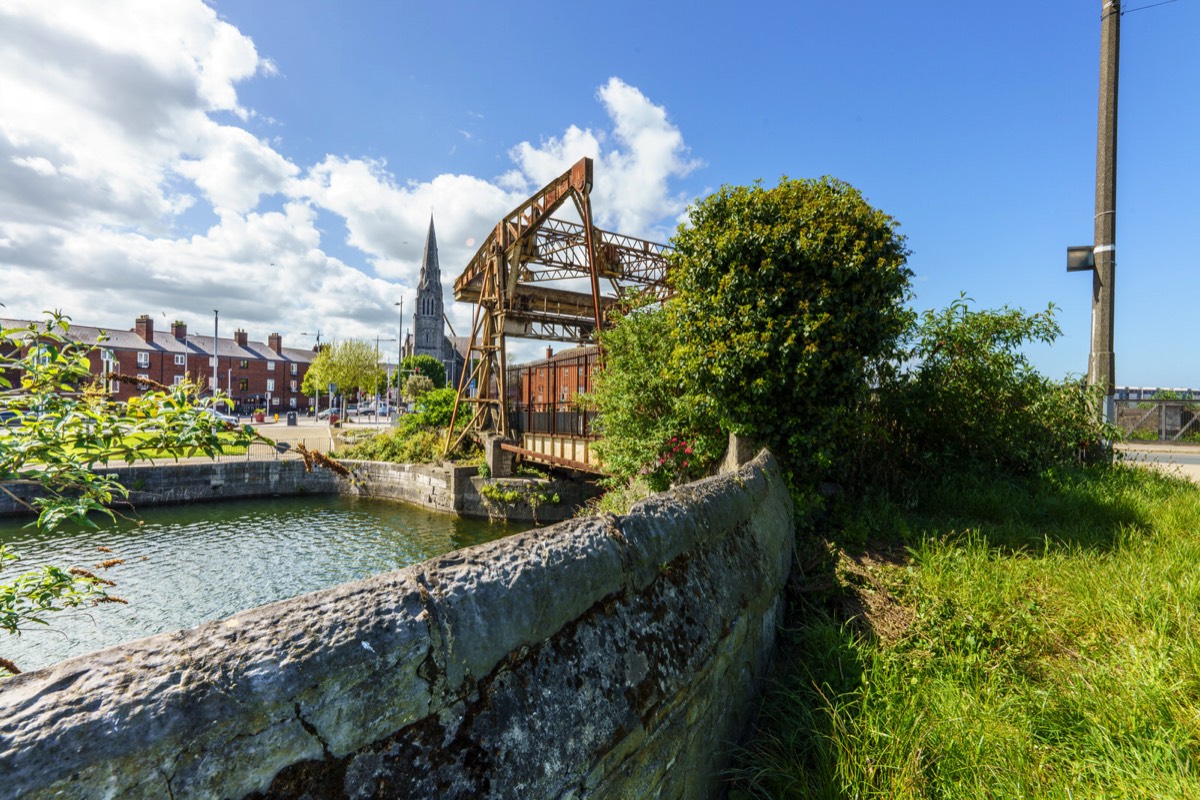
(429, 321)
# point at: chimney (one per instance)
(145, 328)
(275, 342)
(240, 337)
(549, 352)
(179, 329)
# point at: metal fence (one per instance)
(1159, 420)
(255, 451)
(556, 419)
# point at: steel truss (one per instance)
(507, 277)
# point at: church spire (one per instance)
(430, 274)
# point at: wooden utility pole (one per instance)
(1102, 363)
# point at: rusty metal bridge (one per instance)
(537, 276)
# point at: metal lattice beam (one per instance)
(506, 279)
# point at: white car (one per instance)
(221, 416)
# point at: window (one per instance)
(270, 384)
(295, 369)
(180, 360)
(243, 384)
(108, 356)
(178, 380)
(143, 361)
(43, 354)
(293, 385)
(292, 402)
(274, 401)
(114, 387)
(142, 377)
(243, 364)
(271, 366)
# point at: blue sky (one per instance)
(280, 160)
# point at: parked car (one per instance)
(324, 413)
(221, 416)
(369, 408)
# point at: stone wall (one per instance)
(170, 483)
(449, 488)
(602, 657)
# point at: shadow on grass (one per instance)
(1082, 508)
(792, 750)
(817, 685)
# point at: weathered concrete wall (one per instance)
(603, 657)
(448, 488)
(169, 483)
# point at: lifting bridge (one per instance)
(537, 276)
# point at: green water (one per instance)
(184, 565)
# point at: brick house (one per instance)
(253, 374)
(541, 394)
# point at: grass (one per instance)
(994, 639)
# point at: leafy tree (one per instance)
(425, 365)
(317, 376)
(415, 386)
(353, 365)
(785, 298)
(59, 427)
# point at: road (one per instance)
(1181, 458)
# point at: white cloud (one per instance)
(630, 192)
(235, 169)
(114, 122)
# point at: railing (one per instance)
(556, 419)
(1159, 420)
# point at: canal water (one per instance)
(183, 565)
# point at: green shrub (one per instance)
(785, 298)
(965, 398)
(642, 405)
(435, 407)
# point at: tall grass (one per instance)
(1052, 649)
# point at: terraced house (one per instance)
(255, 375)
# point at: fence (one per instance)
(1159, 420)
(556, 419)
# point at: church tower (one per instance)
(429, 335)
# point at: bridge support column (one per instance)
(500, 463)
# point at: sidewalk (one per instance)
(1165, 456)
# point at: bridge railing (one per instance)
(556, 419)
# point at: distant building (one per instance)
(542, 394)
(253, 374)
(429, 319)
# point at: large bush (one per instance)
(417, 438)
(650, 427)
(784, 298)
(965, 398)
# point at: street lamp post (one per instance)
(378, 339)
(400, 346)
(316, 388)
(216, 349)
